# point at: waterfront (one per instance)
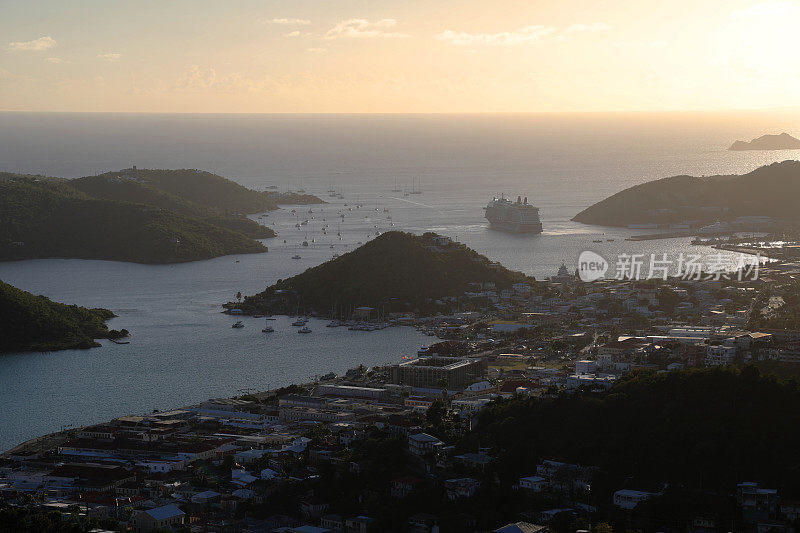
(183, 349)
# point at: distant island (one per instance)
(395, 272)
(769, 191)
(137, 215)
(34, 323)
(784, 141)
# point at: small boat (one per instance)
(267, 329)
(238, 325)
(295, 256)
(610, 240)
(300, 322)
(305, 243)
(597, 240)
(305, 329)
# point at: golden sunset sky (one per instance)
(343, 56)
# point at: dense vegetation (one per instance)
(48, 218)
(184, 191)
(710, 428)
(768, 191)
(34, 323)
(396, 271)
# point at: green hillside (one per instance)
(771, 190)
(396, 271)
(147, 187)
(177, 190)
(48, 218)
(34, 323)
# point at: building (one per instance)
(158, 518)
(522, 527)
(720, 355)
(464, 487)
(533, 483)
(757, 504)
(628, 499)
(428, 372)
(422, 444)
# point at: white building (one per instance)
(720, 355)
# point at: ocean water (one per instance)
(183, 350)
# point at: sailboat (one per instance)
(415, 190)
(396, 189)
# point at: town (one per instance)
(400, 447)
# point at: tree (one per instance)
(436, 412)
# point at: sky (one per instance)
(392, 56)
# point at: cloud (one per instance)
(111, 58)
(288, 22)
(768, 9)
(316, 50)
(294, 33)
(54, 60)
(525, 35)
(597, 26)
(36, 45)
(364, 29)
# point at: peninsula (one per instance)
(784, 141)
(769, 191)
(144, 216)
(396, 272)
(35, 323)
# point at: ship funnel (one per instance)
(519, 199)
(526, 199)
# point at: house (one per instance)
(464, 487)
(628, 499)
(421, 444)
(757, 504)
(533, 483)
(402, 487)
(720, 355)
(357, 524)
(157, 518)
(313, 507)
(332, 522)
(207, 496)
(521, 527)
(309, 529)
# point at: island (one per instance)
(766, 194)
(136, 215)
(395, 272)
(784, 141)
(35, 323)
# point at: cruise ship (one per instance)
(519, 216)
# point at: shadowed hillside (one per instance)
(34, 323)
(396, 271)
(771, 190)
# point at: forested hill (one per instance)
(184, 191)
(49, 218)
(707, 428)
(34, 323)
(395, 271)
(195, 194)
(770, 190)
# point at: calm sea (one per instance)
(183, 350)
